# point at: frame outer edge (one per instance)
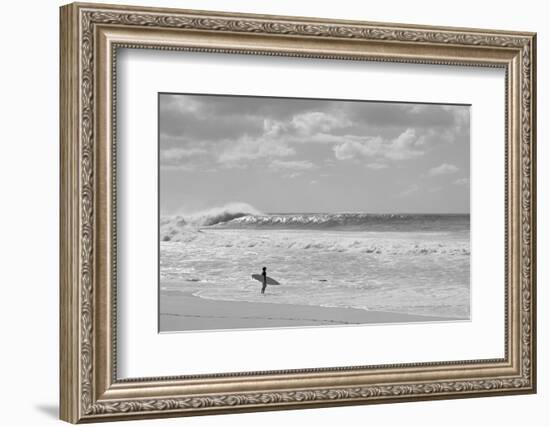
(534, 270)
(305, 19)
(77, 342)
(69, 354)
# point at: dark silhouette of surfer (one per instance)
(264, 275)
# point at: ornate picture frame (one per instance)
(90, 37)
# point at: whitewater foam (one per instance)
(177, 227)
(417, 264)
(243, 217)
(368, 243)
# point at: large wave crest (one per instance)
(171, 227)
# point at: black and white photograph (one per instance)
(290, 212)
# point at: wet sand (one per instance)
(185, 312)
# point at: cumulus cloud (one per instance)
(357, 146)
(377, 166)
(443, 169)
(405, 146)
(180, 158)
(278, 139)
(247, 148)
(316, 121)
(294, 136)
(179, 104)
(461, 181)
(296, 165)
(410, 190)
(171, 154)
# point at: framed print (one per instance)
(325, 239)
(266, 212)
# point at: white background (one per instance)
(29, 172)
(145, 353)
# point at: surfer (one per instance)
(264, 279)
(264, 276)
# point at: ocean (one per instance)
(405, 263)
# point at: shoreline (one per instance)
(182, 311)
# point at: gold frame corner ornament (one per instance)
(90, 36)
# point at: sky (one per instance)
(289, 155)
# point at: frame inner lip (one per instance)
(342, 370)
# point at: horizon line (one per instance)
(336, 213)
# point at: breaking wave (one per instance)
(244, 216)
(353, 222)
(170, 226)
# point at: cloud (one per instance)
(461, 181)
(247, 148)
(235, 132)
(295, 165)
(171, 154)
(214, 117)
(197, 118)
(353, 147)
(316, 121)
(291, 168)
(411, 189)
(443, 169)
(277, 136)
(377, 166)
(180, 104)
(393, 115)
(180, 158)
(405, 146)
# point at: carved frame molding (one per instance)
(90, 36)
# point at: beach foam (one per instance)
(368, 243)
(416, 273)
(406, 263)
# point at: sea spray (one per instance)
(178, 227)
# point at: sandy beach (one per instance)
(185, 312)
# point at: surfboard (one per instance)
(269, 280)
